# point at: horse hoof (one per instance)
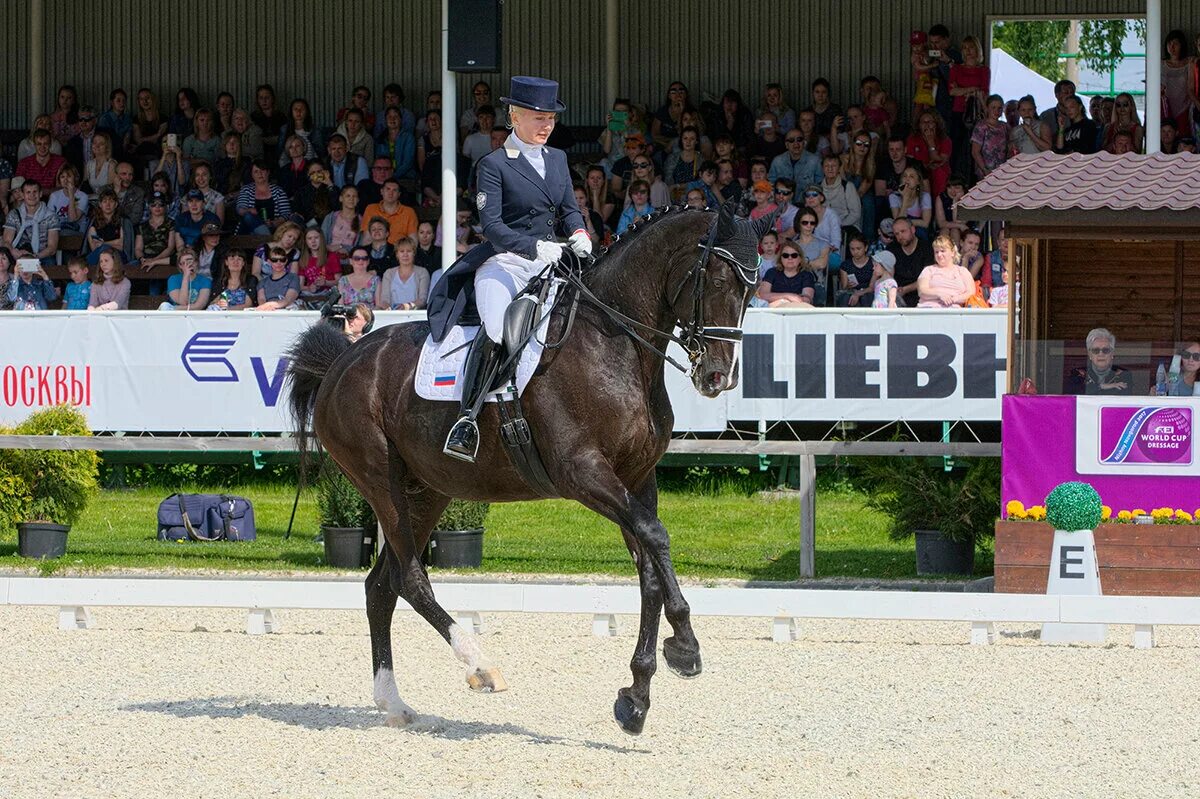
(401, 718)
(681, 661)
(630, 716)
(486, 681)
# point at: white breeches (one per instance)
(496, 283)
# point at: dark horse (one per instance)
(600, 416)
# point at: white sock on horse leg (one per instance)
(468, 649)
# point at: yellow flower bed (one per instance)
(1016, 510)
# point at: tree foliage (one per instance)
(1037, 43)
(1100, 41)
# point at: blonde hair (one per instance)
(944, 242)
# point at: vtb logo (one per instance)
(204, 358)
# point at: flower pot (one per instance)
(456, 549)
(347, 547)
(42, 540)
(937, 554)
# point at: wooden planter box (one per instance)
(1135, 559)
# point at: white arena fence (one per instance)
(466, 601)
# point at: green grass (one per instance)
(721, 532)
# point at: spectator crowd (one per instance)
(275, 208)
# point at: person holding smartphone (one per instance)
(34, 289)
(612, 139)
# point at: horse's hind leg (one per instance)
(381, 604)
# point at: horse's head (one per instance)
(710, 303)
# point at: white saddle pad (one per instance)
(440, 367)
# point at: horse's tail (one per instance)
(309, 359)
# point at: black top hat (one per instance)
(537, 94)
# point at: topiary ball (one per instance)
(1073, 506)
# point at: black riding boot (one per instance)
(482, 364)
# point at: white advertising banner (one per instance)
(223, 372)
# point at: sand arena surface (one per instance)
(158, 703)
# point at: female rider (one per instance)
(524, 188)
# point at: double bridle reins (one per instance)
(694, 333)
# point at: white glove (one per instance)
(581, 243)
(549, 252)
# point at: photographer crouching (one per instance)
(354, 320)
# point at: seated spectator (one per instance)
(269, 119)
(155, 244)
(797, 164)
(773, 103)
(1031, 135)
(117, 121)
(479, 143)
(110, 287)
(223, 113)
(695, 199)
(172, 166)
(841, 196)
(279, 289)
(705, 184)
(989, 139)
(945, 283)
(433, 102)
(733, 119)
(1101, 375)
(301, 125)
(404, 287)
(250, 135)
(912, 255)
(622, 169)
(193, 218)
(768, 252)
(320, 267)
(465, 234)
(724, 149)
(149, 131)
(204, 143)
(262, 206)
(998, 296)
(973, 260)
(428, 255)
(793, 282)
(202, 181)
(358, 140)
(8, 279)
(592, 222)
(393, 97)
(612, 138)
(361, 284)
(1169, 137)
(856, 127)
(346, 168)
(27, 148)
(1182, 377)
(235, 288)
(930, 145)
(187, 290)
(911, 202)
(401, 219)
(768, 137)
(997, 257)
(600, 196)
(888, 171)
(1076, 133)
(210, 251)
(31, 228)
(884, 288)
(1187, 144)
(34, 290)
(287, 239)
(182, 120)
(643, 169)
(370, 191)
(65, 119)
(131, 199)
(825, 113)
(1123, 143)
(79, 288)
(885, 235)
(727, 188)
(946, 213)
(316, 199)
(100, 169)
(381, 254)
(78, 149)
(293, 171)
(760, 191)
(683, 165)
(806, 123)
(639, 207)
(107, 228)
(69, 203)
(785, 194)
(829, 224)
(360, 100)
(341, 227)
(855, 276)
(41, 167)
(429, 159)
(161, 184)
(816, 251)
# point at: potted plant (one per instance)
(347, 521)
(457, 538)
(50, 487)
(949, 513)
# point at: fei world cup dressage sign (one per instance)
(198, 372)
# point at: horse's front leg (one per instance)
(633, 703)
(593, 483)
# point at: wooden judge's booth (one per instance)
(1098, 241)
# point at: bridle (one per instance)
(694, 333)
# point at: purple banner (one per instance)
(1137, 453)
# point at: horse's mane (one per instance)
(638, 229)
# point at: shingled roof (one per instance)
(1099, 190)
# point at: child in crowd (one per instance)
(856, 275)
(998, 298)
(923, 67)
(768, 249)
(947, 215)
(79, 290)
(883, 281)
(695, 199)
(704, 184)
(886, 237)
(761, 191)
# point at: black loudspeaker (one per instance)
(474, 35)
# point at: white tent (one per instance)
(1013, 80)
